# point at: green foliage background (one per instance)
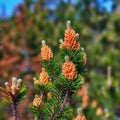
(99, 31)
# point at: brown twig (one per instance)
(14, 109)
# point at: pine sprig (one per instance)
(76, 57)
(14, 93)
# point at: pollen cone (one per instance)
(69, 70)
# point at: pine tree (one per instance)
(60, 78)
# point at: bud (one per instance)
(19, 82)
(13, 88)
(14, 81)
(43, 69)
(68, 25)
(7, 86)
(82, 48)
(34, 78)
(61, 40)
(43, 43)
(77, 36)
(67, 58)
(36, 96)
(79, 111)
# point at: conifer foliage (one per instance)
(60, 78)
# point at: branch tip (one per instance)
(79, 110)
(67, 59)
(43, 43)
(61, 40)
(68, 24)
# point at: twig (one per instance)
(14, 109)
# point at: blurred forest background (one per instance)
(98, 24)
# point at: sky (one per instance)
(9, 6)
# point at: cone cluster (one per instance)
(70, 38)
(14, 87)
(69, 69)
(37, 101)
(43, 78)
(46, 52)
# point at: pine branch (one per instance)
(62, 107)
